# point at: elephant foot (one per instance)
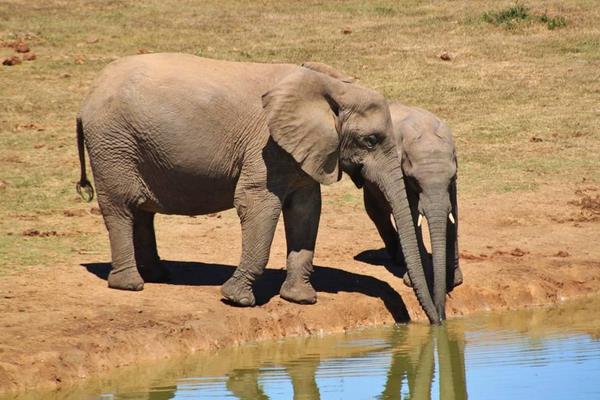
(154, 272)
(125, 279)
(298, 291)
(238, 291)
(406, 280)
(458, 277)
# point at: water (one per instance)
(534, 354)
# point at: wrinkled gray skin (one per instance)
(179, 134)
(429, 167)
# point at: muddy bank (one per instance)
(59, 324)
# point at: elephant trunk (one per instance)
(388, 177)
(438, 224)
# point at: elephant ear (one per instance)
(328, 70)
(303, 119)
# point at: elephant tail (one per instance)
(84, 186)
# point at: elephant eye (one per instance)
(371, 141)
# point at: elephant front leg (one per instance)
(380, 213)
(301, 214)
(303, 375)
(258, 215)
(455, 276)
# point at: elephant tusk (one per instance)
(420, 220)
(451, 217)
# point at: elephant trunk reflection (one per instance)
(413, 365)
(416, 366)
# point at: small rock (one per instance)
(14, 60)
(562, 253)
(31, 232)
(31, 126)
(517, 252)
(468, 256)
(144, 51)
(29, 57)
(65, 75)
(36, 233)
(74, 213)
(444, 55)
(536, 139)
(347, 30)
(21, 47)
(95, 211)
(3, 185)
(92, 40)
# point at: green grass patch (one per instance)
(558, 21)
(507, 17)
(518, 14)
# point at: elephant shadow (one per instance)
(324, 279)
(381, 258)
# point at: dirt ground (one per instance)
(60, 325)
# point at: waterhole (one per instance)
(532, 354)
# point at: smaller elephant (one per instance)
(429, 166)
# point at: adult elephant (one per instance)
(429, 167)
(179, 134)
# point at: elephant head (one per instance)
(429, 166)
(329, 125)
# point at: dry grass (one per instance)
(502, 88)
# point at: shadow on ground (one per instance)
(381, 258)
(324, 279)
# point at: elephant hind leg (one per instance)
(124, 274)
(146, 254)
(301, 214)
(119, 221)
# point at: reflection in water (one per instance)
(409, 352)
(412, 353)
(417, 367)
(550, 354)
